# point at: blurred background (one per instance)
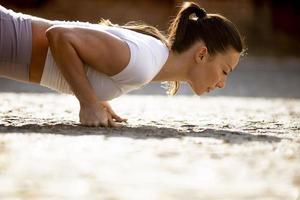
(271, 29)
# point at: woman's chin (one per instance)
(200, 92)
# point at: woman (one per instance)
(99, 62)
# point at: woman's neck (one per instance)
(175, 68)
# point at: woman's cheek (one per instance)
(216, 75)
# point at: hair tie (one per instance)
(200, 13)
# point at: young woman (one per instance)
(99, 62)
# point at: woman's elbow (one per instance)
(57, 34)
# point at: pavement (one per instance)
(182, 147)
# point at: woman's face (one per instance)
(211, 71)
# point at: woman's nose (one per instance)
(221, 84)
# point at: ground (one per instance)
(183, 147)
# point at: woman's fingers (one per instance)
(118, 118)
(112, 112)
(112, 123)
(108, 122)
(115, 116)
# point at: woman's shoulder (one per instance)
(147, 56)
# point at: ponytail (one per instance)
(178, 27)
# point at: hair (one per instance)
(190, 25)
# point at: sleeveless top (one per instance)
(147, 57)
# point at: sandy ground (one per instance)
(183, 147)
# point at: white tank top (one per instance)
(147, 56)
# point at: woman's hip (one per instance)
(15, 44)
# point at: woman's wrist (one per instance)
(93, 101)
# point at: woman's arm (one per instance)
(70, 65)
(103, 51)
(71, 49)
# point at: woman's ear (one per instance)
(201, 52)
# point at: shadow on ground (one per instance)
(138, 132)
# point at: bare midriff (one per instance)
(39, 49)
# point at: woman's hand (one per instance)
(112, 113)
(99, 114)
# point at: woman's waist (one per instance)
(39, 48)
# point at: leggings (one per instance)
(15, 45)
